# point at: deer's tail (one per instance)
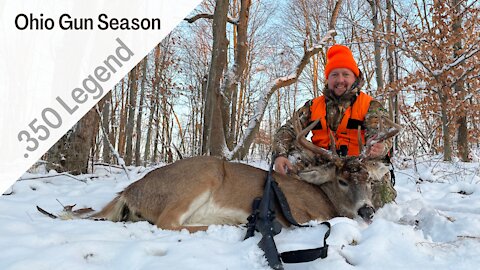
(116, 210)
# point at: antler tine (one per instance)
(360, 143)
(333, 147)
(298, 128)
(383, 135)
(304, 142)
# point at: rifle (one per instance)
(263, 220)
(266, 223)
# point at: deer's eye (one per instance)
(343, 183)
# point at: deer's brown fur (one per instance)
(196, 192)
(200, 191)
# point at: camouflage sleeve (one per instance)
(285, 135)
(374, 113)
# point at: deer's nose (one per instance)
(366, 212)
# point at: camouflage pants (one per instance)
(383, 191)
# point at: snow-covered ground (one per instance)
(434, 224)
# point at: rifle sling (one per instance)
(282, 201)
(308, 255)
(305, 255)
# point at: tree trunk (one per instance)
(107, 152)
(207, 115)
(148, 139)
(392, 97)
(71, 153)
(376, 43)
(240, 110)
(462, 129)
(123, 120)
(157, 133)
(166, 129)
(241, 50)
(216, 138)
(154, 103)
(447, 148)
(113, 120)
(132, 77)
(140, 112)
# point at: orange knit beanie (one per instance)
(339, 56)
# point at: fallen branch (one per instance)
(107, 165)
(52, 176)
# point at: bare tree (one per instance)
(132, 79)
(213, 117)
(374, 6)
(140, 112)
(239, 67)
(106, 127)
(459, 86)
(123, 118)
(153, 103)
(71, 153)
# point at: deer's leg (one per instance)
(176, 216)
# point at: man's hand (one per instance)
(282, 165)
(376, 150)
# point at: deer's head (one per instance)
(345, 180)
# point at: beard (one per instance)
(338, 104)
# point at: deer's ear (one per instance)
(318, 175)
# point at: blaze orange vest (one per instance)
(346, 135)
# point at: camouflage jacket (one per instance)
(284, 143)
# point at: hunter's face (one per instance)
(340, 80)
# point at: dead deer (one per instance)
(200, 191)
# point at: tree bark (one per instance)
(392, 96)
(447, 148)
(376, 44)
(140, 113)
(123, 120)
(106, 156)
(157, 133)
(71, 153)
(132, 77)
(166, 129)
(462, 128)
(241, 50)
(216, 138)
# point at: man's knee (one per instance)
(383, 192)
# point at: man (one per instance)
(341, 109)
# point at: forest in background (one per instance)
(227, 77)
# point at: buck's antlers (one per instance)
(329, 155)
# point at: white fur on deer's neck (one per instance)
(204, 211)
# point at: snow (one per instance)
(434, 224)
